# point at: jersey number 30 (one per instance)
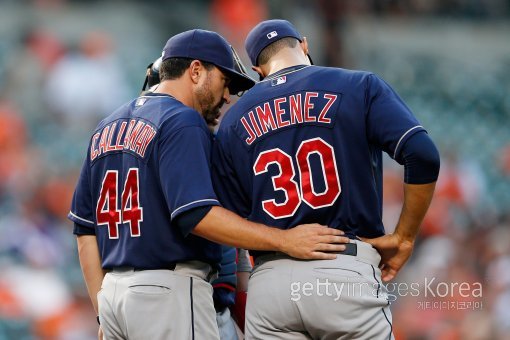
(131, 212)
(296, 193)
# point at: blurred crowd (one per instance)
(51, 98)
(56, 84)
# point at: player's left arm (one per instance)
(90, 262)
(421, 163)
(396, 248)
(82, 214)
(391, 126)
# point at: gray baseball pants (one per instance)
(158, 304)
(291, 299)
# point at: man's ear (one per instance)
(304, 45)
(195, 71)
(259, 71)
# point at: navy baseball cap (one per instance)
(265, 33)
(210, 47)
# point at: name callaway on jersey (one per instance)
(316, 108)
(134, 136)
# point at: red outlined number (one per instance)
(315, 199)
(107, 212)
(282, 182)
(305, 191)
(132, 214)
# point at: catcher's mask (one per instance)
(152, 74)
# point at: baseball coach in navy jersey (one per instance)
(229, 295)
(145, 211)
(305, 144)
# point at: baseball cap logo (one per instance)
(272, 34)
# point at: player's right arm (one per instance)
(308, 241)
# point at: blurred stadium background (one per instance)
(65, 64)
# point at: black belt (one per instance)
(170, 266)
(350, 249)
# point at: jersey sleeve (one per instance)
(389, 121)
(184, 169)
(82, 210)
(226, 182)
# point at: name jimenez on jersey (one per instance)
(292, 109)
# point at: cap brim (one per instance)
(238, 81)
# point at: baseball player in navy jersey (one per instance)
(305, 144)
(144, 208)
(235, 265)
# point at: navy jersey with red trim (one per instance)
(147, 163)
(305, 145)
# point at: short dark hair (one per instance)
(270, 50)
(173, 68)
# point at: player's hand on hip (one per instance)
(394, 253)
(313, 242)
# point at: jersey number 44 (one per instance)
(131, 212)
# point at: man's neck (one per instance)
(178, 90)
(283, 59)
